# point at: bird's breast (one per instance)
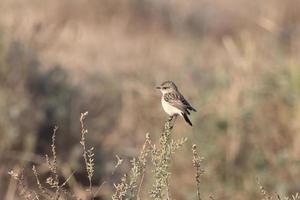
(169, 109)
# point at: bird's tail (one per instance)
(186, 118)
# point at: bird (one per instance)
(173, 102)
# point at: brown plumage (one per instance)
(174, 102)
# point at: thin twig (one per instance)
(197, 163)
(140, 186)
(87, 153)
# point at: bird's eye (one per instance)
(164, 88)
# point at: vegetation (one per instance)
(131, 185)
(236, 61)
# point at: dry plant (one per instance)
(52, 181)
(22, 187)
(131, 184)
(161, 158)
(267, 196)
(129, 187)
(197, 163)
(294, 197)
(88, 154)
(264, 193)
(54, 189)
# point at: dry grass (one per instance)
(88, 154)
(130, 185)
(237, 61)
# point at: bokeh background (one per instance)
(236, 61)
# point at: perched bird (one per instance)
(173, 101)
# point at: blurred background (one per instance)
(236, 61)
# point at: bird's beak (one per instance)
(158, 87)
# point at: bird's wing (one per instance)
(188, 105)
(178, 101)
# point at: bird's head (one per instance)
(167, 86)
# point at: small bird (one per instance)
(173, 102)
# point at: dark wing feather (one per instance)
(188, 105)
